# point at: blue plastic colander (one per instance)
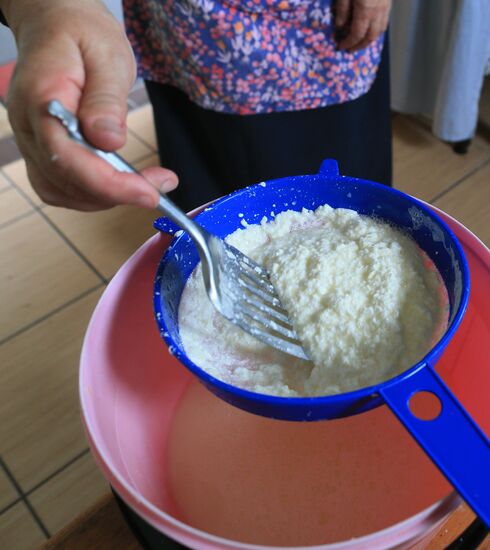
(454, 442)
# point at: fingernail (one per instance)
(108, 124)
(161, 184)
(147, 201)
(165, 184)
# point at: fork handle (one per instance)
(165, 205)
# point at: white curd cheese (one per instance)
(357, 292)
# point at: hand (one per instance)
(75, 51)
(362, 21)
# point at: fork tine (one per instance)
(291, 347)
(280, 316)
(248, 261)
(267, 322)
(271, 299)
(257, 308)
(263, 282)
(255, 269)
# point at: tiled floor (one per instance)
(55, 264)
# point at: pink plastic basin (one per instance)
(211, 476)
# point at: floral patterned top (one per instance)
(248, 56)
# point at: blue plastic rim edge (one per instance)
(287, 408)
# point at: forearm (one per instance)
(15, 11)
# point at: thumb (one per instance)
(103, 105)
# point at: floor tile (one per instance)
(138, 83)
(4, 182)
(106, 238)
(134, 149)
(8, 494)
(40, 428)
(469, 202)
(85, 533)
(69, 493)
(139, 96)
(151, 160)
(5, 128)
(12, 205)
(140, 121)
(18, 530)
(17, 172)
(38, 273)
(8, 150)
(423, 165)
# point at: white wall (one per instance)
(7, 45)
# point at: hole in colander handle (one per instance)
(454, 442)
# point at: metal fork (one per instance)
(238, 287)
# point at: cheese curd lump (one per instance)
(364, 300)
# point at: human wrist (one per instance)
(17, 11)
(12, 11)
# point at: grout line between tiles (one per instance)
(131, 104)
(36, 517)
(58, 471)
(144, 158)
(24, 499)
(11, 505)
(19, 189)
(82, 257)
(141, 140)
(39, 210)
(17, 218)
(140, 159)
(50, 313)
(8, 188)
(459, 181)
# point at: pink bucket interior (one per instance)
(167, 445)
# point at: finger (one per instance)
(62, 79)
(371, 35)
(377, 27)
(342, 12)
(358, 29)
(384, 20)
(49, 192)
(71, 169)
(52, 196)
(103, 105)
(162, 179)
(65, 186)
(72, 166)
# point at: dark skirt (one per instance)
(215, 153)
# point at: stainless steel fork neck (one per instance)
(195, 231)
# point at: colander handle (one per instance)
(453, 441)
